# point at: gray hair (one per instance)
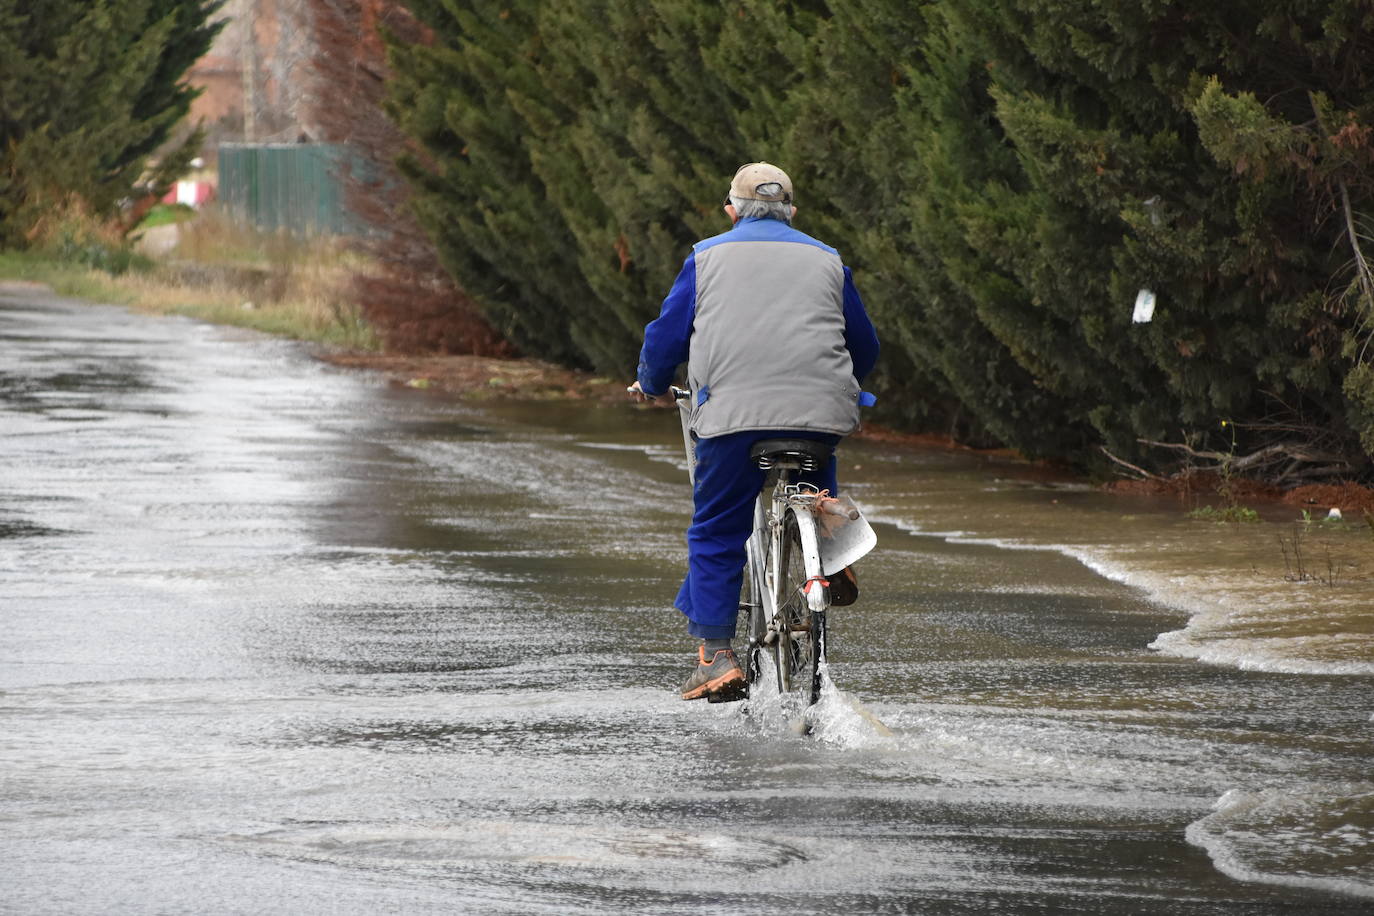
(762, 209)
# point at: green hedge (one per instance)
(1003, 175)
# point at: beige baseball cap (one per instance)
(753, 175)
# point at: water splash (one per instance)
(837, 719)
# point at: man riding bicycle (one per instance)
(776, 341)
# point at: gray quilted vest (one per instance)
(767, 348)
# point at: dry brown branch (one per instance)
(1183, 447)
(408, 298)
(1295, 454)
(1126, 464)
(1361, 265)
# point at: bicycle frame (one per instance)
(800, 500)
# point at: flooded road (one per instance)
(277, 638)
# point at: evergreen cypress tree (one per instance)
(598, 122)
(631, 172)
(88, 91)
(663, 121)
(476, 191)
(1003, 175)
(889, 112)
(625, 118)
(1103, 188)
(1296, 128)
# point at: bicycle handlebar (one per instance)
(828, 505)
(677, 393)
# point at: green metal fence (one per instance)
(291, 186)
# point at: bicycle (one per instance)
(801, 535)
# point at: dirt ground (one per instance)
(481, 378)
(1352, 499)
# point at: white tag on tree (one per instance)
(1144, 307)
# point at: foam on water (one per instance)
(1238, 617)
(597, 847)
(1047, 751)
(1227, 612)
(1314, 836)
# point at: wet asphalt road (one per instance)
(279, 638)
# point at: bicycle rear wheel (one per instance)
(800, 645)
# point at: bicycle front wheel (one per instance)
(755, 603)
(800, 621)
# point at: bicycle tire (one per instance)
(755, 600)
(800, 645)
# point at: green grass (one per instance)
(346, 329)
(1225, 514)
(164, 214)
(65, 277)
(219, 273)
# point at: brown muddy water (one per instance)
(277, 638)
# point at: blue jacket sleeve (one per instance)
(667, 337)
(859, 337)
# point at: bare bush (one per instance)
(405, 293)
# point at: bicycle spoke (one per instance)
(797, 652)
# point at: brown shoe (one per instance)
(844, 588)
(721, 679)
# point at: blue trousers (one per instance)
(725, 487)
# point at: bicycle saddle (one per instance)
(805, 454)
